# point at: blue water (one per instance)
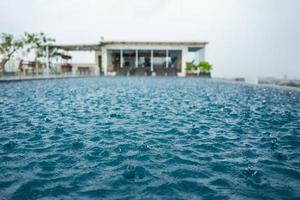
(148, 138)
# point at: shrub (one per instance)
(205, 66)
(190, 66)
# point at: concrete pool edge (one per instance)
(216, 79)
(32, 78)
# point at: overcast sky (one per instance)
(251, 38)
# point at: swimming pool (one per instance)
(148, 138)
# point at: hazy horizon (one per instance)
(251, 38)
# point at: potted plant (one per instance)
(192, 69)
(205, 68)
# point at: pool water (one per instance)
(148, 138)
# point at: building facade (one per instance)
(142, 58)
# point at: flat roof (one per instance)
(156, 42)
(91, 47)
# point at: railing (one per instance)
(19, 68)
(40, 77)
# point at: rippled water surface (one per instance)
(148, 138)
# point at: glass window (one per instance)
(113, 60)
(129, 58)
(144, 58)
(174, 59)
(195, 54)
(159, 58)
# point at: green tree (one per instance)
(37, 43)
(205, 67)
(8, 47)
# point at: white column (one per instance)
(136, 58)
(184, 59)
(47, 60)
(121, 59)
(167, 54)
(104, 60)
(151, 60)
(97, 63)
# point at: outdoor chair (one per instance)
(160, 71)
(142, 71)
(171, 72)
(123, 71)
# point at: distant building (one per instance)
(137, 58)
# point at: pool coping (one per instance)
(33, 78)
(217, 79)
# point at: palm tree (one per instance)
(36, 43)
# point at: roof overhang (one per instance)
(77, 47)
(95, 47)
(188, 43)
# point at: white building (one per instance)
(137, 57)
